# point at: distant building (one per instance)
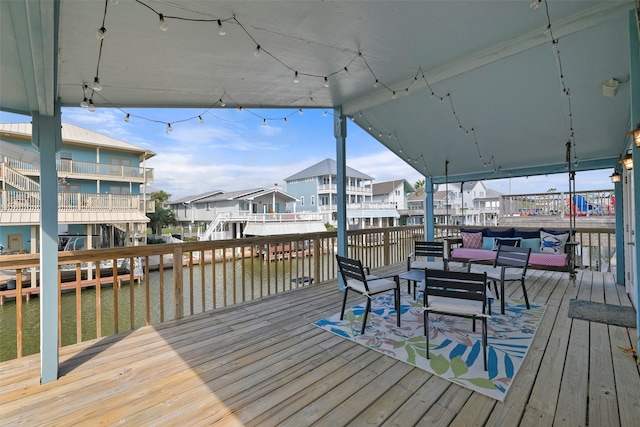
(315, 189)
(468, 203)
(235, 214)
(100, 202)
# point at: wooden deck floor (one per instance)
(264, 364)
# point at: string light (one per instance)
(301, 111)
(169, 128)
(286, 121)
(325, 78)
(91, 107)
(127, 118)
(264, 122)
(163, 24)
(84, 103)
(96, 84)
(199, 117)
(100, 33)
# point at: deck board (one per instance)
(262, 363)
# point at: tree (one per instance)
(552, 190)
(419, 187)
(162, 217)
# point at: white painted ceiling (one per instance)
(492, 57)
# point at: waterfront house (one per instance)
(470, 203)
(99, 180)
(234, 214)
(316, 190)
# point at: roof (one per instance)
(388, 186)
(326, 167)
(76, 135)
(512, 93)
(195, 198)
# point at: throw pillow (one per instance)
(553, 243)
(488, 243)
(499, 233)
(471, 240)
(533, 244)
(514, 241)
(527, 234)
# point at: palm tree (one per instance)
(162, 217)
(419, 187)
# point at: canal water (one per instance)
(31, 308)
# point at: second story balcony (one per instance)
(29, 201)
(88, 170)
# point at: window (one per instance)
(313, 200)
(302, 201)
(397, 192)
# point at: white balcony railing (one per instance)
(79, 169)
(29, 201)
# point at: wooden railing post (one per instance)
(385, 247)
(316, 259)
(178, 286)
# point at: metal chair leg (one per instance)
(366, 313)
(526, 297)
(426, 331)
(344, 303)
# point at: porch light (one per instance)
(627, 161)
(636, 135)
(616, 177)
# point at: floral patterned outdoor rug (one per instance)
(455, 350)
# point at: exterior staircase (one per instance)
(20, 182)
(217, 225)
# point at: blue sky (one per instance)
(234, 150)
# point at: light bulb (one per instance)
(326, 82)
(347, 72)
(406, 91)
(221, 30)
(127, 118)
(96, 84)
(300, 111)
(264, 122)
(400, 151)
(324, 114)
(100, 33)
(394, 96)
(163, 24)
(222, 104)
(169, 128)
(535, 4)
(91, 107)
(376, 85)
(353, 119)
(199, 118)
(286, 121)
(296, 77)
(240, 109)
(257, 52)
(84, 103)
(370, 127)
(114, 1)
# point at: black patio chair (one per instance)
(355, 279)
(456, 293)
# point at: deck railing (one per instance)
(69, 168)
(29, 201)
(187, 278)
(583, 203)
(193, 277)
